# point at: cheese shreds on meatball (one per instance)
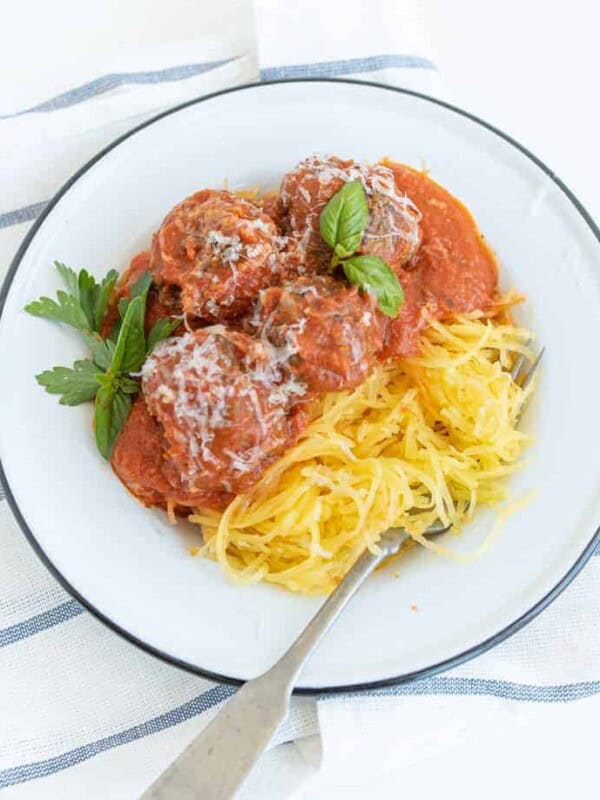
(223, 406)
(327, 333)
(219, 249)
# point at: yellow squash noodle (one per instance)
(422, 439)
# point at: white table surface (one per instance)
(528, 67)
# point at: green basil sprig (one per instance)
(109, 375)
(342, 223)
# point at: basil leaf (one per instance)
(162, 329)
(70, 278)
(121, 409)
(76, 385)
(374, 275)
(128, 386)
(344, 219)
(66, 310)
(103, 296)
(139, 289)
(115, 330)
(141, 286)
(111, 411)
(130, 349)
(102, 419)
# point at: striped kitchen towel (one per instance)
(82, 712)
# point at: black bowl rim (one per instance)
(426, 672)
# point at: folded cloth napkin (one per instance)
(82, 712)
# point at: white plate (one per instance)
(131, 568)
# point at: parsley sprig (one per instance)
(108, 376)
(343, 223)
(84, 306)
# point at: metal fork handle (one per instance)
(216, 764)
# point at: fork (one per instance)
(216, 764)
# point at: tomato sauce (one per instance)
(138, 460)
(454, 271)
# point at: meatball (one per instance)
(269, 203)
(138, 460)
(327, 333)
(223, 407)
(393, 229)
(219, 250)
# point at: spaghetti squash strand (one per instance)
(421, 439)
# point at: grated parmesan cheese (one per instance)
(201, 385)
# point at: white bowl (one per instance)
(131, 568)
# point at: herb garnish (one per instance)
(343, 222)
(108, 376)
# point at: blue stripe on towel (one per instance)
(348, 66)
(203, 702)
(506, 690)
(323, 69)
(112, 81)
(40, 622)
(39, 769)
(19, 215)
